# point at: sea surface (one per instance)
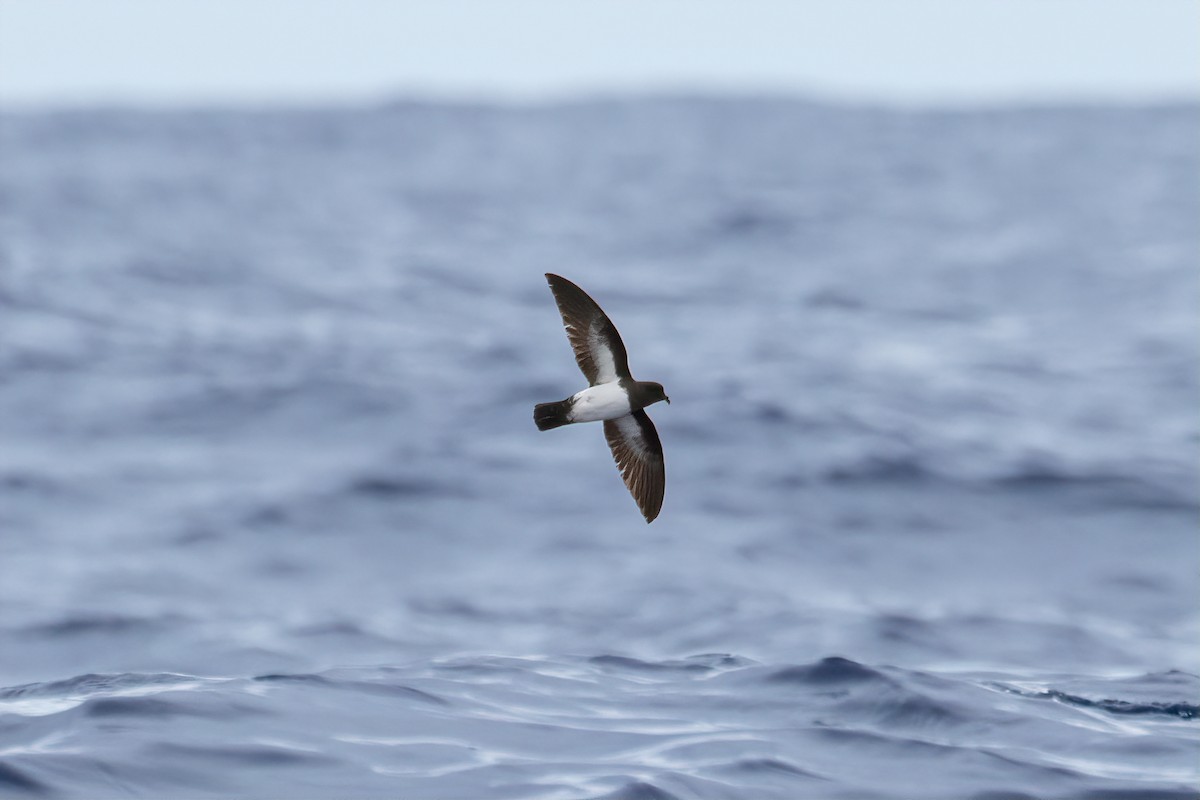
(275, 521)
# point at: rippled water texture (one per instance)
(275, 520)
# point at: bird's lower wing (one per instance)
(638, 452)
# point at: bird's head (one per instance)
(654, 392)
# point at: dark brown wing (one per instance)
(638, 452)
(597, 345)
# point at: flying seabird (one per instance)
(612, 396)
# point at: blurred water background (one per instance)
(275, 520)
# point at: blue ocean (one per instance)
(275, 520)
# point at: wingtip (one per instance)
(559, 282)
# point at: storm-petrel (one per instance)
(612, 395)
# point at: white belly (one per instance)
(606, 401)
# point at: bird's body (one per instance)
(596, 403)
(613, 397)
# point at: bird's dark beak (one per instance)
(667, 399)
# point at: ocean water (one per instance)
(275, 520)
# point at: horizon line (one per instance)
(491, 98)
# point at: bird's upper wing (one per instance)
(597, 345)
(638, 452)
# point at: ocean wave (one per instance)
(17, 782)
(1117, 485)
(603, 726)
(1184, 686)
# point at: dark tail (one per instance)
(551, 415)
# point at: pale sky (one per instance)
(189, 52)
